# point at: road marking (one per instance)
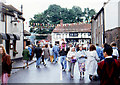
(60, 74)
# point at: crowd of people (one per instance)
(101, 63)
(89, 59)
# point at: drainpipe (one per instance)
(5, 28)
(23, 35)
(5, 23)
(103, 27)
(23, 25)
(91, 33)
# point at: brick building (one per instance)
(106, 24)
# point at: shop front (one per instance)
(9, 42)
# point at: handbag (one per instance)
(73, 60)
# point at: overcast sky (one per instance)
(31, 7)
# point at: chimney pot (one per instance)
(61, 22)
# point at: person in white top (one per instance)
(92, 58)
(71, 57)
(51, 53)
(115, 53)
(81, 58)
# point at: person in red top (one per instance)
(6, 65)
(109, 69)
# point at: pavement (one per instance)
(52, 73)
(18, 64)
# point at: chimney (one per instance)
(22, 9)
(61, 22)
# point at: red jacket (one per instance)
(6, 64)
(109, 72)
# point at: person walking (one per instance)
(99, 51)
(26, 56)
(46, 54)
(81, 58)
(70, 45)
(77, 47)
(33, 49)
(43, 54)
(92, 58)
(55, 51)
(6, 65)
(51, 53)
(30, 51)
(115, 53)
(38, 52)
(109, 69)
(71, 58)
(63, 54)
(62, 44)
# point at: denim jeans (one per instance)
(55, 57)
(45, 60)
(63, 62)
(38, 61)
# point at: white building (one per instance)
(106, 24)
(112, 14)
(11, 30)
(72, 33)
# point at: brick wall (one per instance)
(113, 35)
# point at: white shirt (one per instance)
(108, 57)
(115, 52)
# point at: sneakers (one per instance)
(64, 70)
(45, 65)
(37, 66)
(71, 76)
(90, 77)
(69, 70)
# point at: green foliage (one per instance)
(55, 13)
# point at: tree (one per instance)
(91, 12)
(55, 13)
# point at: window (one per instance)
(84, 35)
(89, 34)
(62, 35)
(99, 21)
(82, 40)
(59, 36)
(102, 18)
(73, 34)
(2, 17)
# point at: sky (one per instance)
(31, 7)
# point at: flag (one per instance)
(34, 24)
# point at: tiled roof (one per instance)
(9, 10)
(73, 28)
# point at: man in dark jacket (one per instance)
(63, 54)
(109, 69)
(38, 52)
